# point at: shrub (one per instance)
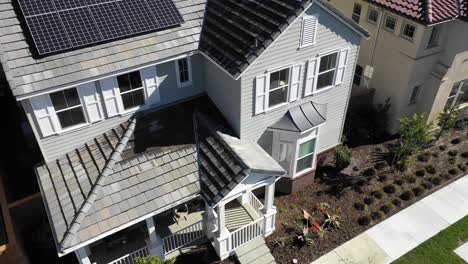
(399, 182)
(453, 171)
(396, 202)
(154, 260)
(364, 220)
(446, 176)
(435, 154)
(360, 182)
(464, 154)
(369, 200)
(418, 191)
(407, 195)
(355, 168)
(343, 157)
(455, 141)
(411, 179)
(386, 208)
(443, 147)
(359, 206)
(404, 163)
(377, 194)
(452, 161)
(377, 215)
(369, 172)
(430, 169)
(391, 188)
(420, 173)
(414, 132)
(462, 167)
(380, 165)
(436, 180)
(424, 157)
(382, 178)
(453, 153)
(358, 189)
(426, 185)
(447, 120)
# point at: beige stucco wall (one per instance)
(400, 64)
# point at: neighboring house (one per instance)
(418, 52)
(149, 112)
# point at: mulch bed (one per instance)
(345, 191)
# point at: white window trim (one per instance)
(368, 15)
(437, 41)
(296, 156)
(189, 68)
(60, 129)
(359, 15)
(267, 92)
(304, 19)
(145, 96)
(385, 23)
(458, 94)
(402, 33)
(317, 72)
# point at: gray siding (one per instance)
(224, 91)
(332, 34)
(54, 146)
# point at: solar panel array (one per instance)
(57, 25)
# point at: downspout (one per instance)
(374, 47)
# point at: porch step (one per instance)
(237, 217)
(255, 252)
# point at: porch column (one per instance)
(222, 241)
(82, 254)
(155, 243)
(269, 210)
(210, 222)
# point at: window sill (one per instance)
(324, 89)
(72, 129)
(301, 173)
(306, 46)
(182, 85)
(276, 107)
(407, 38)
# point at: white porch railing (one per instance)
(255, 203)
(130, 258)
(247, 233)
(183, 237)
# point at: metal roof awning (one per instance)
(302, 118)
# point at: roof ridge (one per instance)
(96, 188)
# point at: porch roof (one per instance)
(144, 166)
(302, 118)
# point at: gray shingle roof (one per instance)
(27, 74)
(302, 117)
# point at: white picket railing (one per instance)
(255, 203)
(183, 237)
(130, 258)
(247, 233)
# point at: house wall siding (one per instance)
(331, 35)
(54, 146)
(224, 91)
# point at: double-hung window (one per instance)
(357, 12)
(358, 75)
(305, 155)
(131, 90)
(327, 71)
(459, 94)
(415, 94)
(184, 72)
(390, 23)
(434, 38)
(409, 31)
(373, 15)
(278, 88)
(68, 108)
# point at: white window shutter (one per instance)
(309, 30)
(261, 94)
(45, 115)
(342, 61)
(91, 102)
(111, 96)
(296, 81)
(150, 77)
(311, 77)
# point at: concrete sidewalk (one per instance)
(405, 230)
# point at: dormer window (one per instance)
(131, 89)
(68, 108)
(409, 31)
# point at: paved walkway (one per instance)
(462, 252)
(405, 230)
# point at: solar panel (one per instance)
(57, 25)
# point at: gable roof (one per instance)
(143, 167)
(425, 11)
(27, 74)
(236, 33)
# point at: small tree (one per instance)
(415, 132)
(154, 260)
(447, 120)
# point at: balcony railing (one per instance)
(130, 258)
(247, 233)
(255, 203)
(183, 237)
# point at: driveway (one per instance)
(405, 230)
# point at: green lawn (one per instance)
(439, 249)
